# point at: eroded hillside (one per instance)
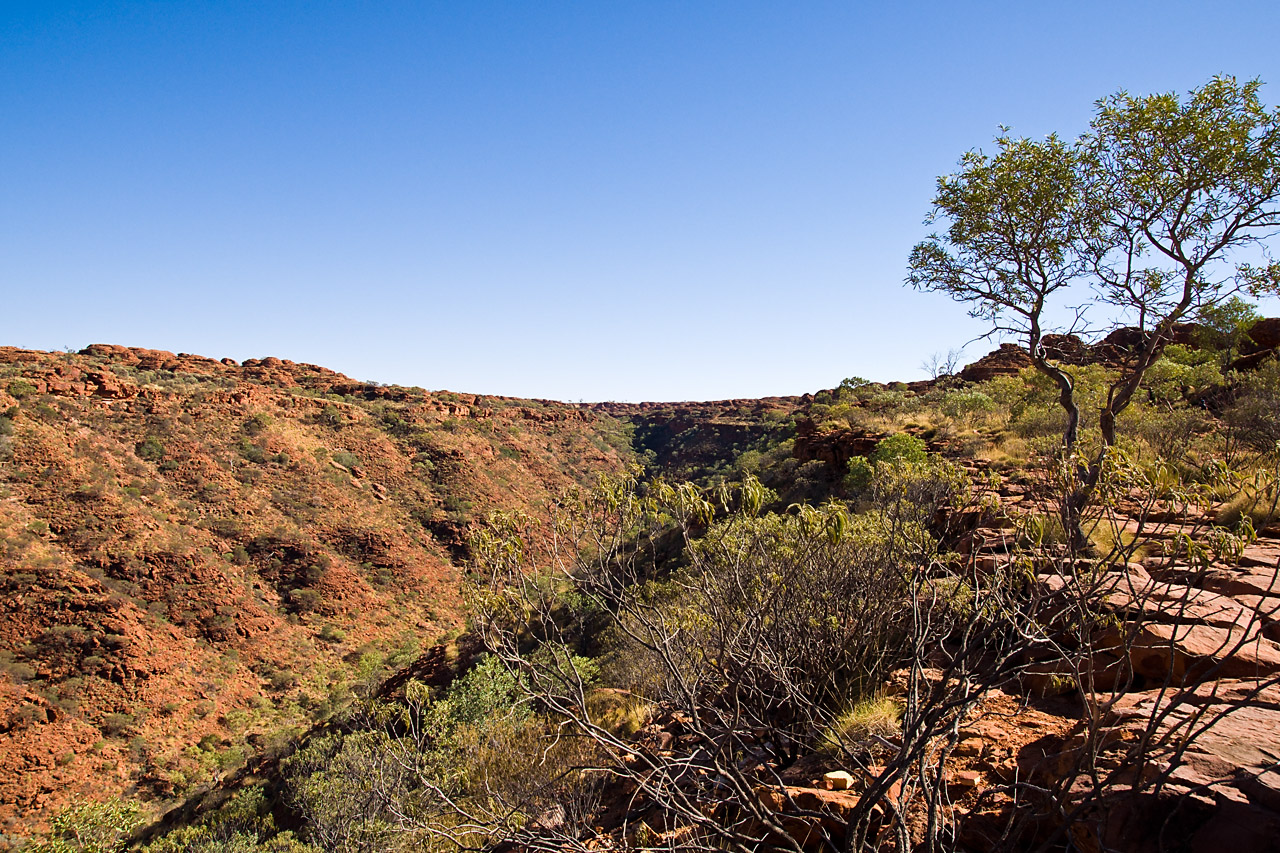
(201, 557)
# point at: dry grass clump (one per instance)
(1261, 507)
(619, 711)
(869, 718)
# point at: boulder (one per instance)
(811, 832)
(837, 780)
(1265, 334)
(1007, 360)
(1244, 581)
(1068, 349)
(1261, 554)
(1174, 654)
(1173, 603)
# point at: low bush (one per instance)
(116, 725)
(151, 449)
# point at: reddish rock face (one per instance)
(1265, 334)
(1005, 361)
(1173, 653)
(1068, 349)
(835, 448)
(1115, 348)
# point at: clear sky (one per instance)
(596, 200)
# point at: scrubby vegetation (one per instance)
(997, 610)
(682, 648)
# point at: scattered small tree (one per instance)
(1225, 327)
(1148, 212)
(940, 365)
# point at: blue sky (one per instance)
(595, 200)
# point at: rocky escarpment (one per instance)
(1192, 659)
(1260, 342)
(689, 440)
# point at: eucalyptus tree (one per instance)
(1163, 208)
(1020, 225)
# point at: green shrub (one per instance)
(873, 716)
(281, 680)
(244, 824)
(91, 828)
(486, 692)
(964, 404)
(20, 389)
(151, 449)
(1253, 419)
(17, 671)
(345, 459)
(115, 725)
(859, 475)
(258, 423)
(306, 600)
(251, 451)
(1180, 354)
(900, 446)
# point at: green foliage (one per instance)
(1151, 208)
(151, 449)
(872, 716)
(258, 424)
(853, 385)
(964, 404)
(766, 627)
(306, 600)
(21, 389)
(900, 446)
(345, 459)
(486, 695)
(1253, 418)
(1189, 356)
(1171, 381)
(358, 790)
(117, 724)
(1036, 188)
(859, 475)
(243, 824)
(336, 783)
(91, 827)
(1225, 324)
(250, 451)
